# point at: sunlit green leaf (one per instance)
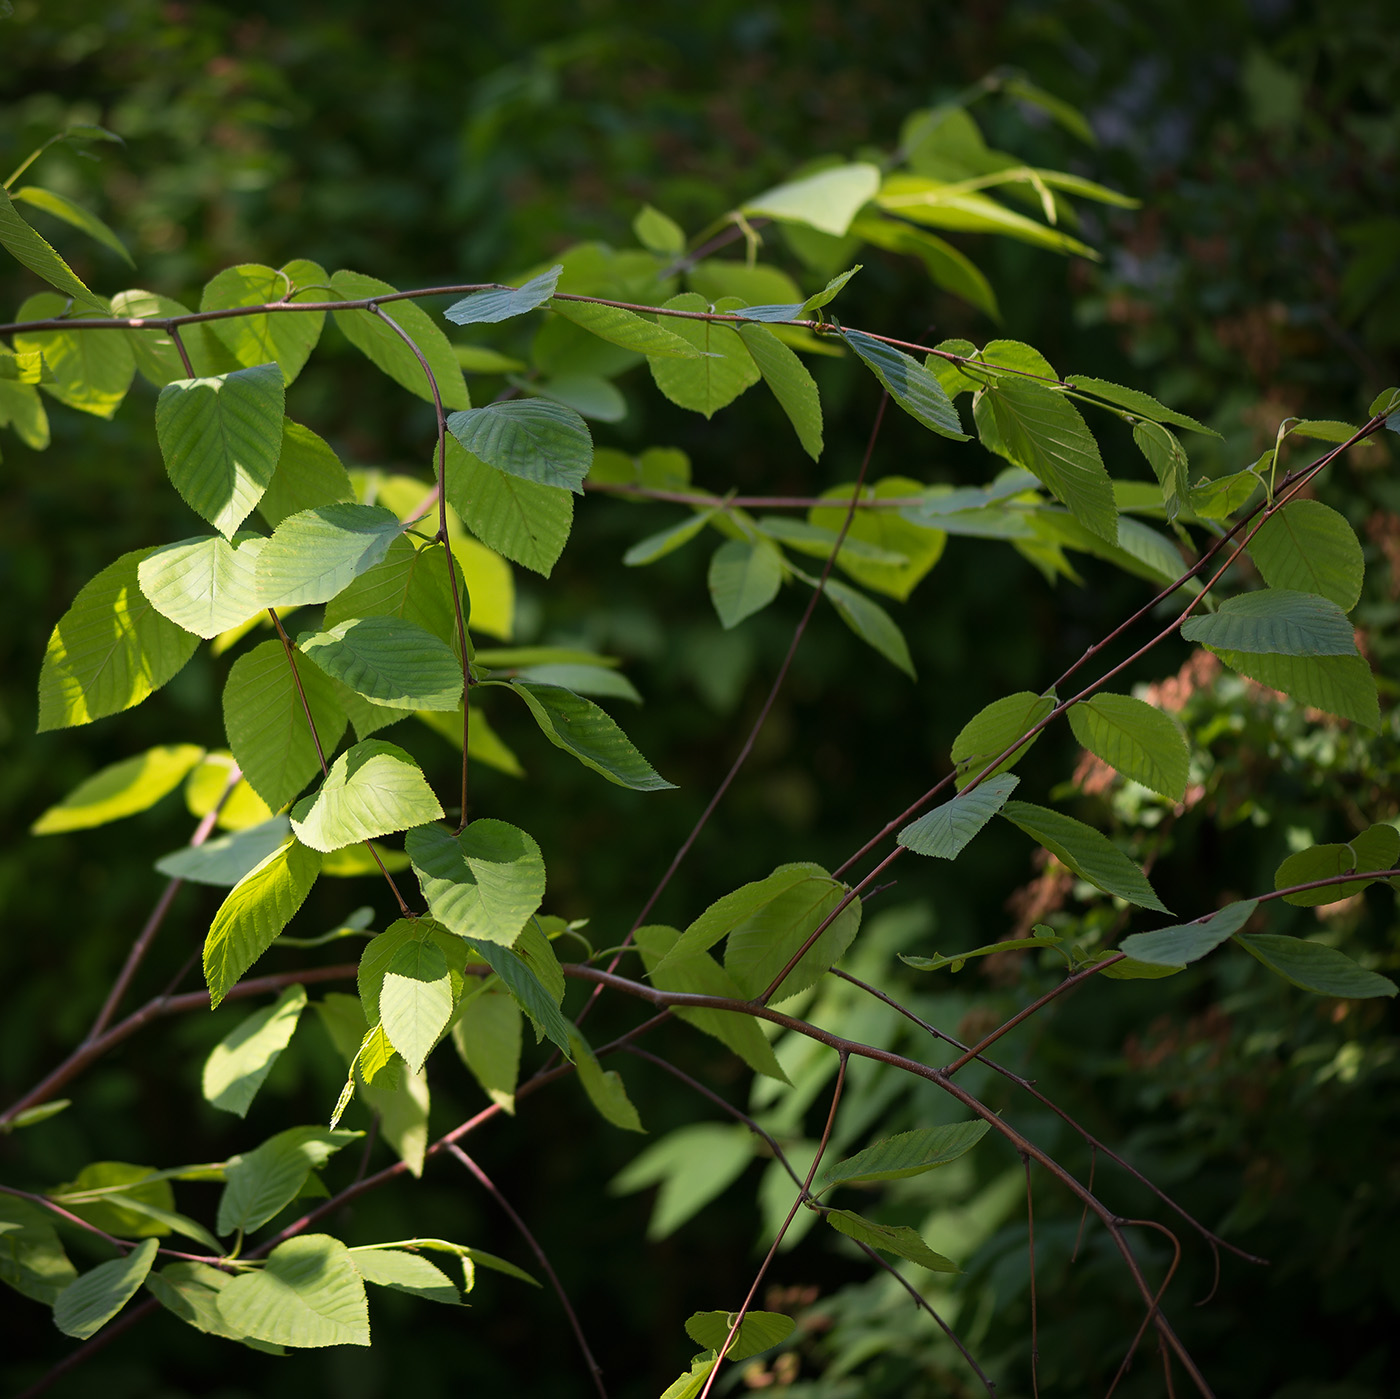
(627, 329)
(241, 1061)
(692, 1165)
(61, 207)
(205, 585)
(913, 546)
(86, 1305)
(724, 371)
(402, 1271)
(1140, 404)
(826, 201)
(759, 1331)
(191, 1291)
(994, 729)
(389, 660)
(315, 553)
(530, 438)
(527, 522)
(487, 1037)
(32, 1260)
(791, 384)
(285, 339)
(266, 722)
(259, 1183)
(308, 474)
(658, 232)
(88, 371)
(372, 789)
(484, 883)
(258, 907)
(385, 348)
(871, 623)
(604, 1087)
(109, 650)
(309, 1294)
(122, 789)
(1168, 462)
(27, 247)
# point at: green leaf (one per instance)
(1141, 405)
(1089, 853)
(223, 862)
(1184, 943)
(1375, 848)
(689, 1385)
(658, 233)
(121, 1198)
(744, 578)
(604, 1087)
(308, 474)
(994, 729)
(1139, 741)
(87, 1304)
(899, 1239)
(627, 329)
(372, 789)
(27, 247)
(153, 349)
(1309, 547)
(911, 546)
(191, 1291)
(827, 201)
(260, 1183)
(698, 973)
(761, 943)
(1219, 499)
(22, 409)
(667, 541)
(384, 348)
(732, 909)
(693, 1165)
(1041, 430)
(724, 370)
(310, 1294)
(221, 438)
(205, 585)
(1342, 685)
(285, 339)
(533, 439)
(871, 623)
(401, 1271)
(415, 1000)
(316, 553)
(390, 661)
(90, 371)
(486, 1035)
(759, 1331)
(63, 208)
(1168, 462)
(1321, 430)
(945, 831)
(484, 883)
(409, 587)
(1275, 621)
(122, 789)
(266, 723)
(791, 385)
(241, 1061)
(957, 960)
(527, 522)
(258, 907)
(911, 386)
(1314, 967)
(109, 650)
(584, 731)
(582, 680)
(908, 1154)
(530, 993)
(32, 1260)
(492, 307)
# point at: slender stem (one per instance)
(184, 353)
(444, 539)
(1156, 1301)
(93, 1049)
(797, 1204)
(769, 702)
(594, 1368)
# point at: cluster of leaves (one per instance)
(392, 642)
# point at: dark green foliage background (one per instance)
(453, 142)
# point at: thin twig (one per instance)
(594, 1368)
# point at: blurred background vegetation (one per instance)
(1260, 278)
